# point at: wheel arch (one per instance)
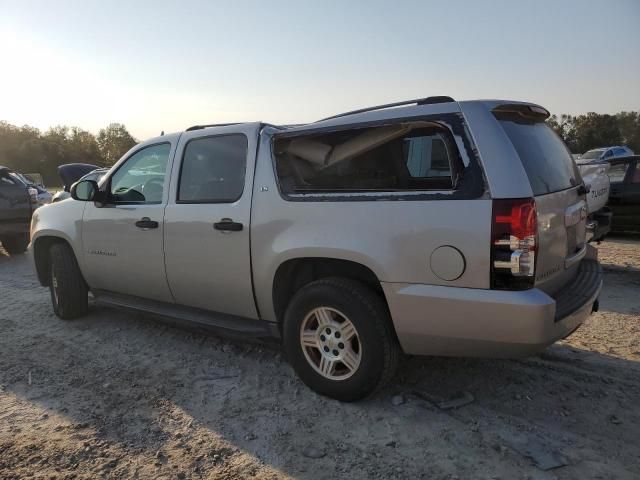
(293, 274)
(41, 248)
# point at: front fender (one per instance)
(62, 221)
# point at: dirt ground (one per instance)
(120, 395)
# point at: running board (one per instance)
(227, 324)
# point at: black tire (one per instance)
(16, 244)
(69, 291)
(369, 315)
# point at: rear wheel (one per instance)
(15, 244)
(339, 339)
(69, 292)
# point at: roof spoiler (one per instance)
(523, 110)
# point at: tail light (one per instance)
(514, 244)
(33, 195)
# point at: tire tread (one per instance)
(73, 300)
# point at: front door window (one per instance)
(141, 179)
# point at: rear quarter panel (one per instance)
(393, 238)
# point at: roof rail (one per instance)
(418, 101)
(200, 127)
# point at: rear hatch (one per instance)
(558, 192)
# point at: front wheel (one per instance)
(16, 244)
(339, 339)
(69, 292)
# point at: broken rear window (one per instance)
(418, 155)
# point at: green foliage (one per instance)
(26, 149)
(593, 130)
(114, 141)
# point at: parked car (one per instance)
(604, 154)
(599, 216)
(44, 196)
(624, 200)
(435, 228)
(72, 172)
(17, 202)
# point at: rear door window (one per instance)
(544, 155)
(213, 169)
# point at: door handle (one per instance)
(227, 225)
(146, 222)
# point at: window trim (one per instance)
(107, 183)
(472, 187)
(211, 202)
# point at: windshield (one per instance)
(544, 156)
(592, 154)
(19, 178)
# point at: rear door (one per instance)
(207, 220)
(560, 200)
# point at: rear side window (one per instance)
(213, 169)
(544, 155)
(618, 172)
(406, 156)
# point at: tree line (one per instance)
(593, 130)
(28, 150)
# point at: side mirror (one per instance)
(85, 190)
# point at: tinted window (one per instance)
(141, 179)
(407, 156)
(544, 156)
(618, 172)
(427, 156)
(609, 154)
(213, 169)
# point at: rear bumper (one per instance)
(438, 320)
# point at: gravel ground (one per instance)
(120, 395)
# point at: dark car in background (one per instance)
(17, 203)
(74, 172)
(624, 198)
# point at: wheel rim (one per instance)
(330, 343)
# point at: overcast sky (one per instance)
(166, 65)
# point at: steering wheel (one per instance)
(152, 189)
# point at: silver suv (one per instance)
(429, 227)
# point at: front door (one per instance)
(122, 240)
(207, 220)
